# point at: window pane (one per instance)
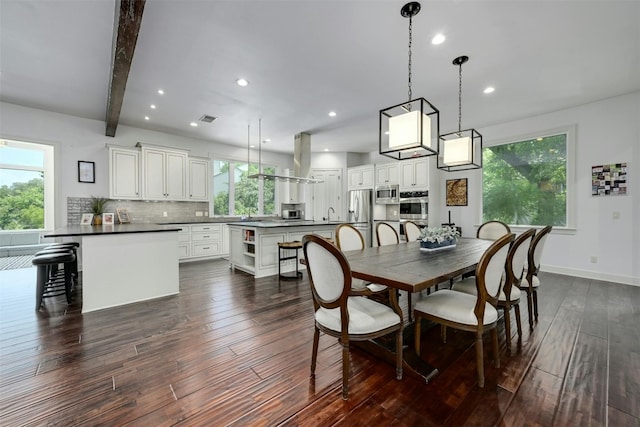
(269, 192)
(21, 199)
(246, 189)
(525, 182)
(21, 156)
(220, 187)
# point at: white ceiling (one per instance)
(305, 58)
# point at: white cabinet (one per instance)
(198, 179)
(327, 194)
(184, 242)
(124, 173)
(203, 240)
(164, 174)
(387, 174)
(360, 177)
(414, 174)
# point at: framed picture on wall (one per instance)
(457, 192)
(86, 171)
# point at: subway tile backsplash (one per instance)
(140, 211)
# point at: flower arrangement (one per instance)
(439, 235)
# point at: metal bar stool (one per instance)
(46, 286)
(73, 246)
(283, 247)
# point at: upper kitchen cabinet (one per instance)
(198, 179)
(360, 177)
(124, 173)
(414, 174)
(387, 174)
(164, 174)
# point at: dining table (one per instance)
(408, 267)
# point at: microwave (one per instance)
(387, 194)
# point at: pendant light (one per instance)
(461, 150)
(409, 129)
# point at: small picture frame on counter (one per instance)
(123, 216)
(86, 219)
(108, 218)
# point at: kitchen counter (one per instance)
(125, 263)
(285, 223)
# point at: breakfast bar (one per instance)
(125, 263)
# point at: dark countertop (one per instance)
(283, 223)
(98, 230)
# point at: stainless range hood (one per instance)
(301, 162)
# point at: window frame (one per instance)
(570, 131)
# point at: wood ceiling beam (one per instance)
(127, 25)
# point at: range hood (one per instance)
(301, 162)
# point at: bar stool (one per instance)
(47, 286)
(73, 246)
(283, 247)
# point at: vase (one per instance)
(436, 245)
(97, 219)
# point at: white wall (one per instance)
(76, 139)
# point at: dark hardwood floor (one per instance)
(231, 350)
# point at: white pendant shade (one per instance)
(407, 130)
(458, 151)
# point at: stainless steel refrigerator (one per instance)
(360, 212)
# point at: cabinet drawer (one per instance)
(184, 237)
(205, 236)
(205, 249)
(183, 251)
(206, 228)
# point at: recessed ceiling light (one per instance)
(267, 140)
(252, 146)
(160, 92)
(242, 82)
(332, 114)
(386, 133)
(152, 106)
(489, 89)
(194, 124)
(146, 117)
(438, 39)
(326, 149)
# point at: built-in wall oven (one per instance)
(414, 205)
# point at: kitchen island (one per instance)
(125, 263)
(254, 244)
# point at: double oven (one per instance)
(414, 206)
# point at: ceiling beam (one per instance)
(128, 16)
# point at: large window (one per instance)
(26, 185)
(237, 194)
(526, 182)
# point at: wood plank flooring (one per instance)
(231, 350)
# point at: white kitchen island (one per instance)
(254, 244)
(126, 263)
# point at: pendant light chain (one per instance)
(460, 98)
(410, 40)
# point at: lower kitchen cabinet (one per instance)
(201, 241)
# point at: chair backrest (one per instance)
(386, 234)
(489, 273)
(348, 238)
(535, 251)
(329, 273)
(517, 259)
(492, 230)
(412, 231)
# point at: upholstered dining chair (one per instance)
(412, 231)
(510, 293)
(349, 238)
(492, 230)
(337, 314)
(531, 283)
(386, 234)
(473, 313)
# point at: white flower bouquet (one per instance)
(439, 236)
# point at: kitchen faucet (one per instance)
(329, 213)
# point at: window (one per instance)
(526, 182)
(237, 194)
(26, 185)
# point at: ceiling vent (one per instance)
(207, 119)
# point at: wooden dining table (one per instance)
(406, 267)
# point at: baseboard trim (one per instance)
(588, 274)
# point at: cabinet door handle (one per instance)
(205, 237)
(205, 228)
(206, 248)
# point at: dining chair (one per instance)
(412, 231)
(531, 283)
(386, 234)
(349, 238)
(492, 230)
(338, 314)
(473, 313)
(510, 293)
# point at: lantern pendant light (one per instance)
(461, 150)
(409, 129)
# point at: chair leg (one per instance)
(443, 333)
(507, 325)
(496, 349)
(68, 282)
(416, 335)
(479, 359)
(530, 308)
(345, 370)
(516, 308)
(314, 354)
(409, 305)
(41, 280)
(535, 303)
(399, 354)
